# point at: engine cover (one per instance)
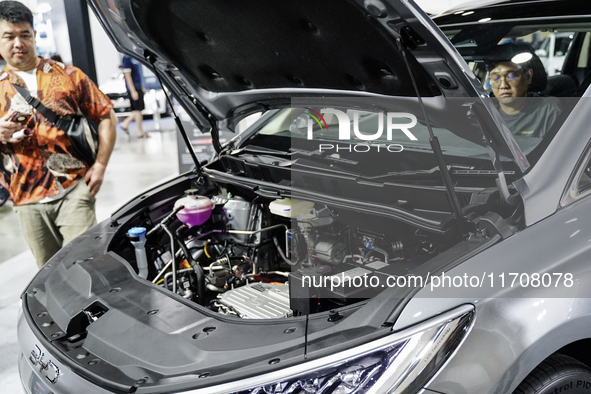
(258, 301)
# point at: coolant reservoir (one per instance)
(292, 208)
(197, 209)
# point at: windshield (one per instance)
(369, 131)
(533, 72)
(534, 69)
(373, 140)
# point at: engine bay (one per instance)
(242, 254)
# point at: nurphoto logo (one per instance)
(393, 124)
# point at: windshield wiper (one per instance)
(262, 150)
(411, 172)
(455, 170)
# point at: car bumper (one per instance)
(41, 373)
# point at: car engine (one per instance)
(252, 257)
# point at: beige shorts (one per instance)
(49, 226)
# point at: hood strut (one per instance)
(152, 60)
(434, 141)
(215, 137)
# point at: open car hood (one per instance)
(225, 60)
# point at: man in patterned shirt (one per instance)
(52, 190)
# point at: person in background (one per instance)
(511, 72)
(134, 81)
(53, 192)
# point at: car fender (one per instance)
(516, 326)
(503, 348)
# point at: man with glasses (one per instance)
(511, 72)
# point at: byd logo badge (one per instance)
(345, 124)
(49, 369)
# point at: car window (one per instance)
(563, 67)
(581, 182)
(368, 138)
(562, 47)
(562, 44)
(247, 122)
(553, 49)
(585, 181)
(553, 40)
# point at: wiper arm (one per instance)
(455, 170)
(412, 172)
(262, 150)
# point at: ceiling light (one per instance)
(43, 8)
(484, 20)
(521, 57)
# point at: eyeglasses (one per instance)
(512, 78)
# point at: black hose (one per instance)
(188, 255)
(195, 265)
(200, 275)
(288, 261)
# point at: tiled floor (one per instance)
(136, 164)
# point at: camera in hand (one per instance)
(19, 117)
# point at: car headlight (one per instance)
(402, 362)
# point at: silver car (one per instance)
(380, 228)
(552, 51)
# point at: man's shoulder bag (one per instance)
(81, 131)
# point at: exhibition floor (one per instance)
(136, 164)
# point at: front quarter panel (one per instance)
(516, 327)
(510, 338)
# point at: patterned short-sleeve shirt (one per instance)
(32, 166)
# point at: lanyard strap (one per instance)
(46, 112)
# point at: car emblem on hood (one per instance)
(48, 369)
